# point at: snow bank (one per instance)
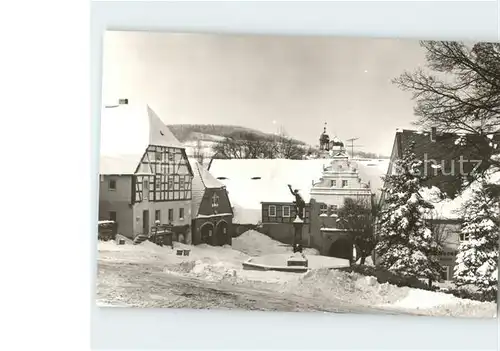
(314, 261)
(351, 287)
(441, 304)
(365, 290)
(254, 243)
(416, 299)
(205, 269)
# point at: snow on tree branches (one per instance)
(477, 260)
(406, 245)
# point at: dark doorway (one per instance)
(341, 248)
(145, 222)
(206, 232)
(222, 233)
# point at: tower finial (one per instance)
(324, 129)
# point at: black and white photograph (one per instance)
(299, 174)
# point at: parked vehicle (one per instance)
(107, 230)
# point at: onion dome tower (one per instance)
(324, 141)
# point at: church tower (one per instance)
(324, 141)
(330, 148)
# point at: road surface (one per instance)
(145, 285)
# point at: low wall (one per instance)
(249, 265)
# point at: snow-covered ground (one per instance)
(223, 265)
(254, 243)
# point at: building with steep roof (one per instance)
(211, 210)
(449, 160)
(145, 176)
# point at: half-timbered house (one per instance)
(145, 176)
(212, 214)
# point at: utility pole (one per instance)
(352, 145)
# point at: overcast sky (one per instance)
(265, 81)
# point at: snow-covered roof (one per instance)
(447, 150)
(202, 180)
(450, 208)
(126, 132)
(250, 182)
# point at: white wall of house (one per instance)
(340, 180)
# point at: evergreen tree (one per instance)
(405, 244)
(477, 259)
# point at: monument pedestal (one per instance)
(297, 237)
(297, 260)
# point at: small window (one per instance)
(334, 208)
(170, 215)
(181, 213)
(158, 183)
(255, 178)
(112, 184)
(181, 183)
(464, 237)
(272, 211)
(171, 156)
(158, 156)
(333, 183)
(344, 184)
(112, 216)
(286, 211)
(323, 209)
(145, 184)
(221, 178)
(157, 215)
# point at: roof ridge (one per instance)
(199, 173)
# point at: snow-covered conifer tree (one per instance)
(477, 259)
(406, 245)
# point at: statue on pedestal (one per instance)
(299, 202)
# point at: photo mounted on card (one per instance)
(299, 174)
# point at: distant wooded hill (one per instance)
(189, 132)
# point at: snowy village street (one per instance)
(145, 285)
(373, 190)
(147, 275)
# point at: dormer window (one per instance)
(256, 178)
(158, 156)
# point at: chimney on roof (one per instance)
(433, 134)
